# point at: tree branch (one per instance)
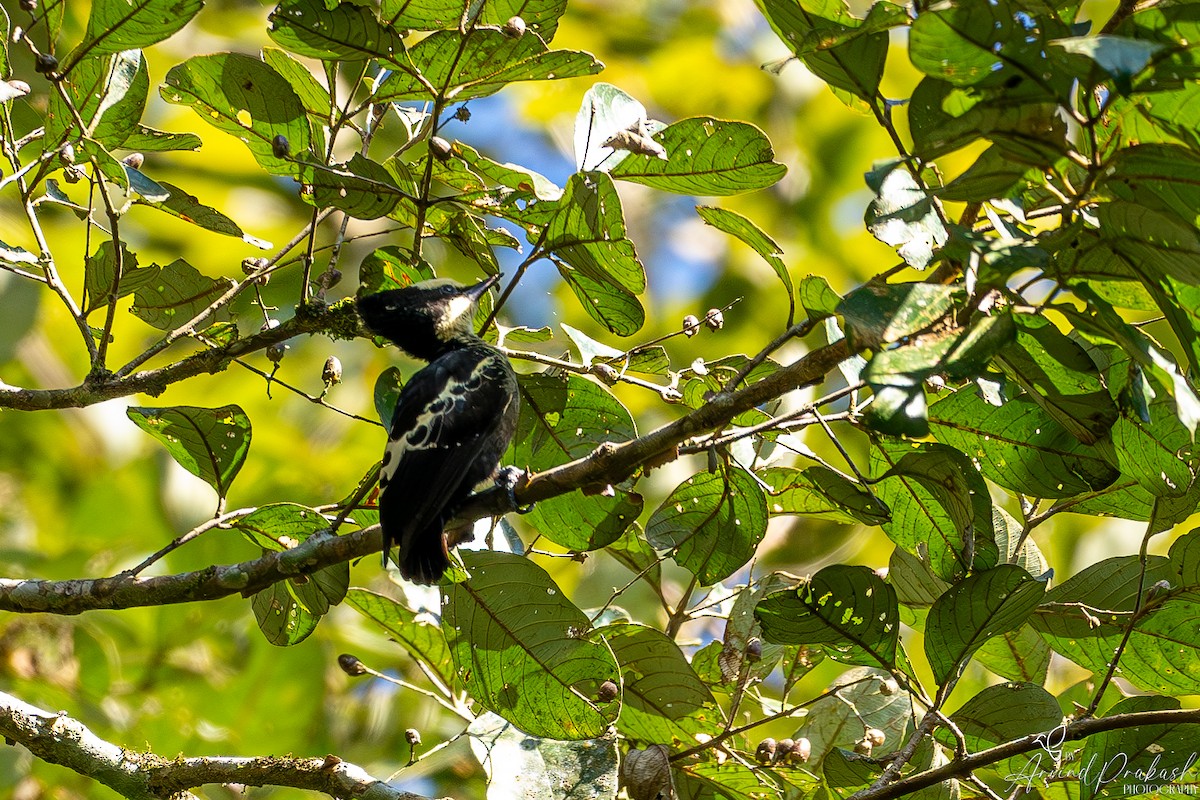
(338, 320)
(608, 463)
(59, 739)
(1071, 732)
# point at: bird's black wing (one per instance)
(444, 418)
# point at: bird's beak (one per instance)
(475, 292)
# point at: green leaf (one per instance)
(1020, 446)
(634, 553)
(941, 511)
(974, 610)
(1185, 557)
(849, 610)
(600, 264)
(288, 611)
(391, 267)
(884, 313)
(282, 619)
(1163, 654)
(344, 32)
(1139, 755)
(954, 353)
(1085, 619)
(1101, 319)
(817, 297)
(419, 635)
(523, 651)
(712, 522)
(518, 765)
(988, 45)
(187, 207)
(842, 50)
(244, 97)
(917, 588)
(109, 94)
(1026, 130)
(736, 225)
(116, 25)
(101, 267)
(386, 393)
(524, 182)
(314, 96)
(588, 232)
(459, 68)
(992, 175)
(210, 443)
(540, 16)
(563, 418)
(422, 15)
(1058, 375)
(1019, 655)
(904, 216)
(605, 112)
(1120, 57)
(662, 699)
(179, 294)
(1157, 453)
(149, 140)
(706, 156)
(821, 493)
(1004, 713)
(361, 187)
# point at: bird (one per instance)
(453, 420)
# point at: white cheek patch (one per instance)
(456, 309)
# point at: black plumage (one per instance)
(452, 423)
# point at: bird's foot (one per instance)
(509, 479)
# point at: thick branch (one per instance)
(1071, 732)
(338, 319)
(609, 463)
(210, 583)
(59, 739)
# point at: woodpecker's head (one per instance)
(427, 318)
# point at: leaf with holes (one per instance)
(345, 31)
(210, 443)
(848, 609)
(288, 611)
(242, 96)
(179, 294)
(1020, 446)
(706, 156)
(564, 418)
(712, 523)
(821, 493)
(523, 651)
(483, 62)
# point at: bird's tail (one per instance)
(424, 557)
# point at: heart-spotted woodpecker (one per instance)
(453, 419)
